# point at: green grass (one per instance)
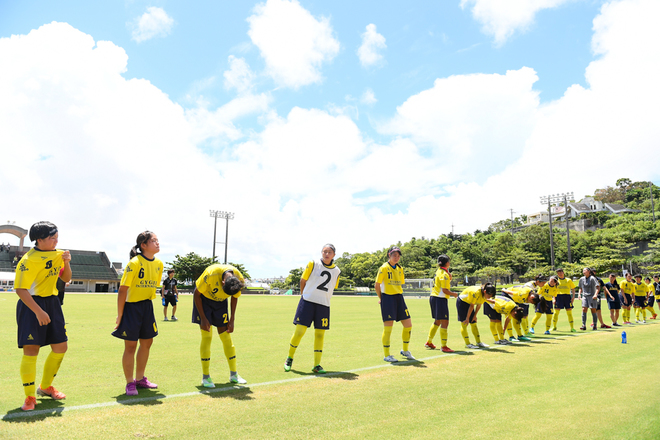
(585, 385)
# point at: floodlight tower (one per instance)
(227, 216)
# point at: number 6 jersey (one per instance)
(322, 280)
(142, 277)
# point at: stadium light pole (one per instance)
(555, 198)
(227, 216)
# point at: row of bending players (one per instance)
(41, 322)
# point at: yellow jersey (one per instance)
(442, 281)
(142, 277)
(641, 289)
(627, 287)
(38, 272)
(565, 286)
(209, 283)
(548, 292)
(472, 295)
(391, 279)
(503, 306)
(650, 288)
(520, 293)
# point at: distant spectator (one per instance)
(170, 294)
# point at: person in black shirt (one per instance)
(614, 302)
(170, 294)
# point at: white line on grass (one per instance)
(52, 411)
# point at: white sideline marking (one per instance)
(51, 411)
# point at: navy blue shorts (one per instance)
(640, 301)
(563, 301)
(137, 322)
(29, 330)
(462, 308)
(651, 301)
(525, 307)
(393, 308)
(439, 308)
(626, 299)
(491, 313)
(170, 300)
(215, 311)
(615, 304)
(548, 312)
(308, 312)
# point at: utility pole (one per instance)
(227, 216)
(557, 198)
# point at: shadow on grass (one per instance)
(146, 397)
(44, 409)
(464, 353)
(498, 350)
(236, 392)
(416, 364)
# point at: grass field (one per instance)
(586, 385)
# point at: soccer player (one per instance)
(588, 287)
(538, 282)
(438, 300)
(601, 288)
(626, 296)
(317, 284)
(523, 296)
(39, 312)
(547, 292)
(564, 299)
(640, 299)
(656, 285)
(135, 310)
(501, 305)
(389, 288)
(650, 297)
(170, 294)
(614, 301)
(213, 287)
(468, 304)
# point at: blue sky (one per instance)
(450, 113)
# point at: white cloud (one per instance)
(372, 43)
(502, 18)
(153, 23)
(368, 97)
(239, 76)
(292, 42)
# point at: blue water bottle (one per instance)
(624, 338)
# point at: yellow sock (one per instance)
(51, 367)
(509, 330)
(625, 315)
(443, 337)
(500, 330)
(405, 336)
(29, 375)
(464, 333)
(432, 332)
(569, 313)
(536, 319)
(651, 311)
(548, 321)
(644, 314)
(525, 324)
(318, 345)
(516, 325)
(205, 351)
(637, 313)
(493, 330)
(475, 332)
(296, 338)
(387, 334)
(555, 318)
(230, 350)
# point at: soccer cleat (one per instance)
(512, 339)
(174, 318)
(531, 330)
(554, 329)
(628, 322)
(408, 355)
(430, 345)
(616, 324)
(529, 334)
(51, 392)
(235, 378)
(638, 321)
(471, 346)
(447, 350)
(547, 332)
(287, 364)
(605, 326)
(655, 315)
(390, 358)
(144, 383)
(498, 343)
(524, 338)
(208, 383)
(30, 403)
(642, 322)
(318, 370)
(131, 390)
(482, 345)
(573, 330)
(593, 326)
(583, 328)
(165, 319)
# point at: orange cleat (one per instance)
(430, 345)
(51, 392)
(447, 350)
(30, 403)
